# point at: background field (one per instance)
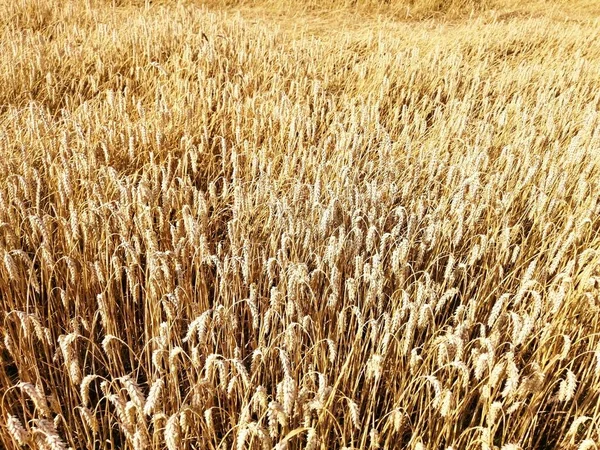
(299, 225)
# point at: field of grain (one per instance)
(242, 227)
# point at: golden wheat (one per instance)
(224, 228)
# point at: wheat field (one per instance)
(237, 226)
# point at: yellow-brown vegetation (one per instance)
(229, 228)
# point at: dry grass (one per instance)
(216, 232)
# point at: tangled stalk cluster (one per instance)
(215, 234)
